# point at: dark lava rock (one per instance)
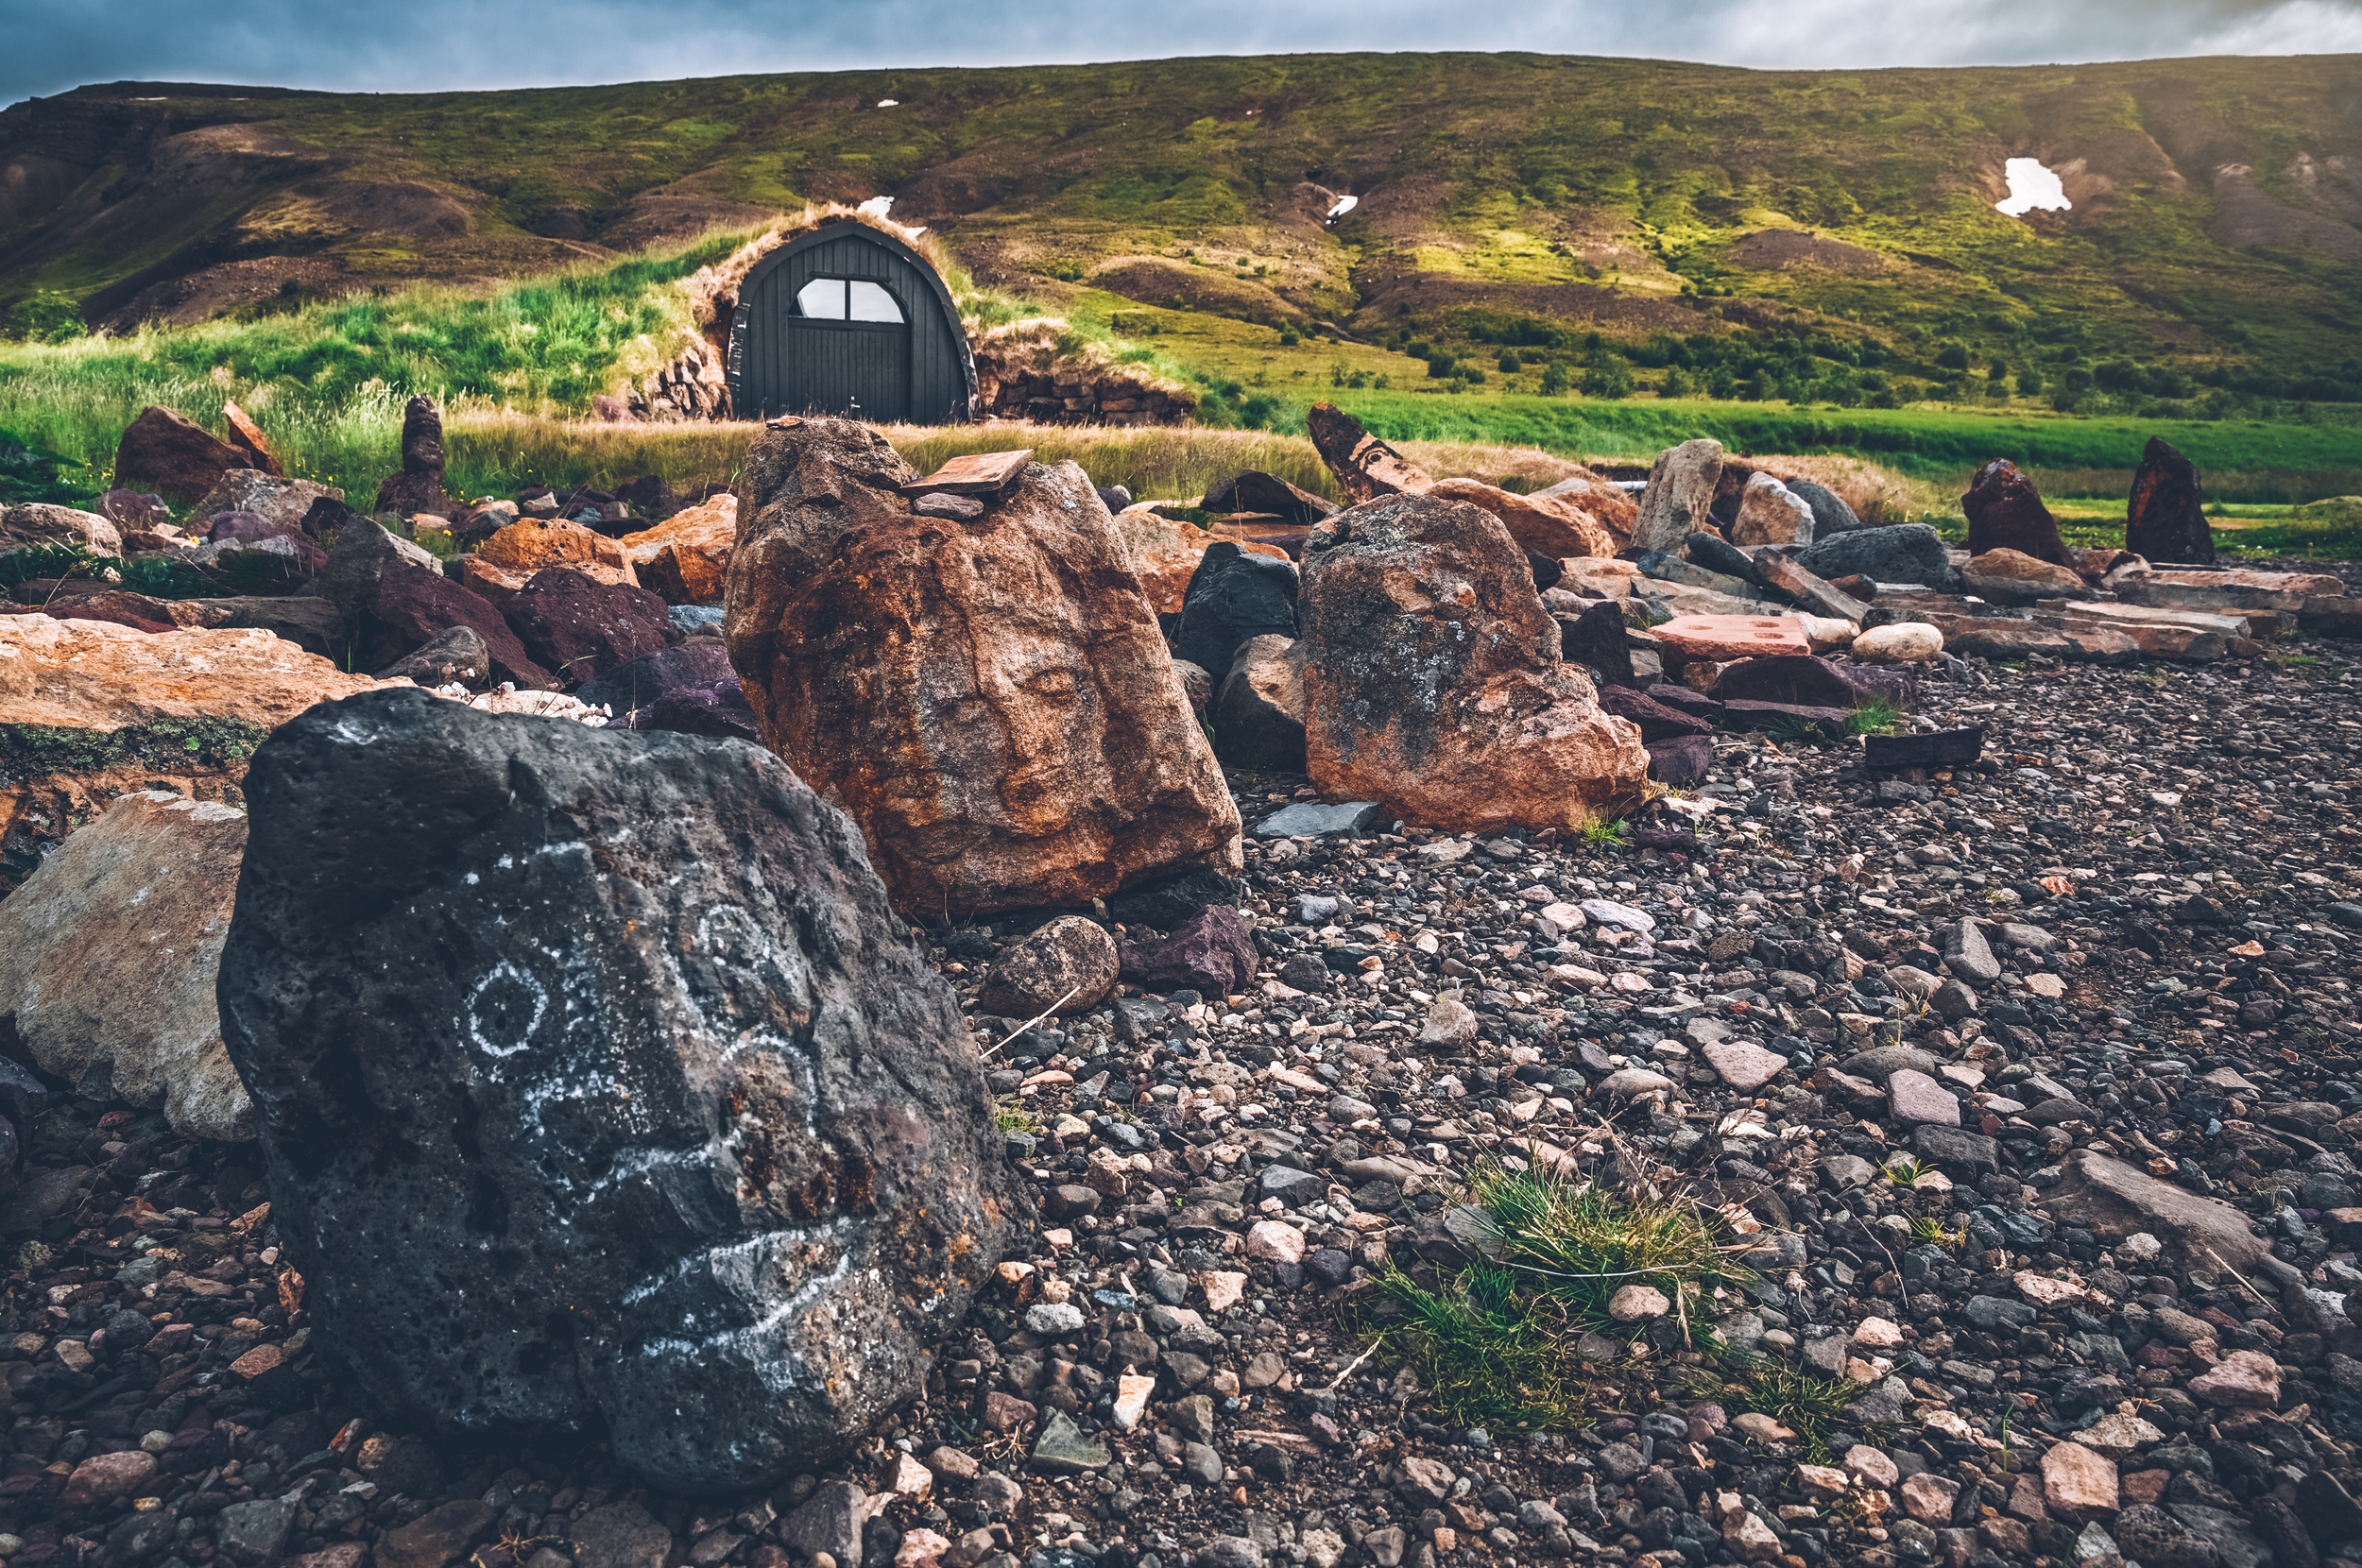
(1209, 953)
(457, 654)
(2004, 512)
(391, 606)
(650, 496)
(1595, 637)
(1830, 514)
(139, 509)
(1899, 552)
(1944, 748)
(1233, 596)
(1682, 761)
(643, 680)
(2166, 520)
(1171, 902)
(599, 1088)
(717, 708)
(578, 626)
(1657, 721)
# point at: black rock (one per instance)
(643, 680)
(717, 709)
(599, 1088)
(1900, 553)
(1233, 596)
(1830, 514)
(1717, 554)
(1595, 637)
(2166, 519)
(1547, 571)
(1944, 748)
(1168, 903)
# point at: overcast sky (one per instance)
(371, 45)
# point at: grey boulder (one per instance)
(598, 1087)
(1899, 552)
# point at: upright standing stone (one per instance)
(2004, 512)
(599, 1089)
(1433, 682)
(419, 487)
(1771, 513)
(1680, 495)
(990, 700)
(2166, 517)
(1366, 467)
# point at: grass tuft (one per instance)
(1875, 716)
(1810, 1405)
(1494, 1341)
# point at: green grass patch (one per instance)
(1876, 716)
(1494, 1341)
(1811, 1406)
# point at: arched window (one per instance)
(846, 299)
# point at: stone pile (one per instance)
(1024, 373)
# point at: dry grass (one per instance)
(1875, 494)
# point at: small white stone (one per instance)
(1634, 1302)
(1053, 1319)
(1906, 642)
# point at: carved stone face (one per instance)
(990, 700)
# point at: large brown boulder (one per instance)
(172, 455)
(2004, 512)
(2166, 519)
(1433, 683)
(990, 700)
(90, 712)
(1366, 467)
(1556, 526)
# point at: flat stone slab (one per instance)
(1744, 1065)
(1915, 1096)
(1733, 636)
(1934, 749)
(1308, 821)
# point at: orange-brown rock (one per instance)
(508, 560)
(1433, 685)
(1615, 509)
(1165, 551)
(248, 435)
(1733, 636)
(1551, 527)
(91, 710)
(990, 700)
(1366, 467)
(682, 559)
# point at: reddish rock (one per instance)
(1209, 953)
(2078, 1484)
(1681, 761)
(257, 1362)
(248, 435)
(508, 560)
(2166, 517)
(2244, 1378)
(1433, 683)
(1554, 526)
(1366, 467)
(392, 605)
(991, 702)
(684, 559)
(97, 609)
(577, 628)
(1719, 637)
(170, 453)
(104, 1477)
(2004, 512)
(1657, 721)
(1068, 966)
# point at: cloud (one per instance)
(366, 46)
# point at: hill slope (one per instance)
(2218, 203)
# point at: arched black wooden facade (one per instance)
(798, 345)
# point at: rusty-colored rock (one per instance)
(1606, 504)
(1432, 682)
(2014, 577)
(2166, 517)
(2004, 512)
(1554, 526)
(1725, 637)
(990, 700)
(1366, 467)
(683, 558)
(83, 674)
(248, 435)
(508, 560)
(169, 454)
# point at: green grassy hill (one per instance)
(1837, 225)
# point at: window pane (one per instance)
(822, 298)
(873, 303)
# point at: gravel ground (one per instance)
(2155, 849)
